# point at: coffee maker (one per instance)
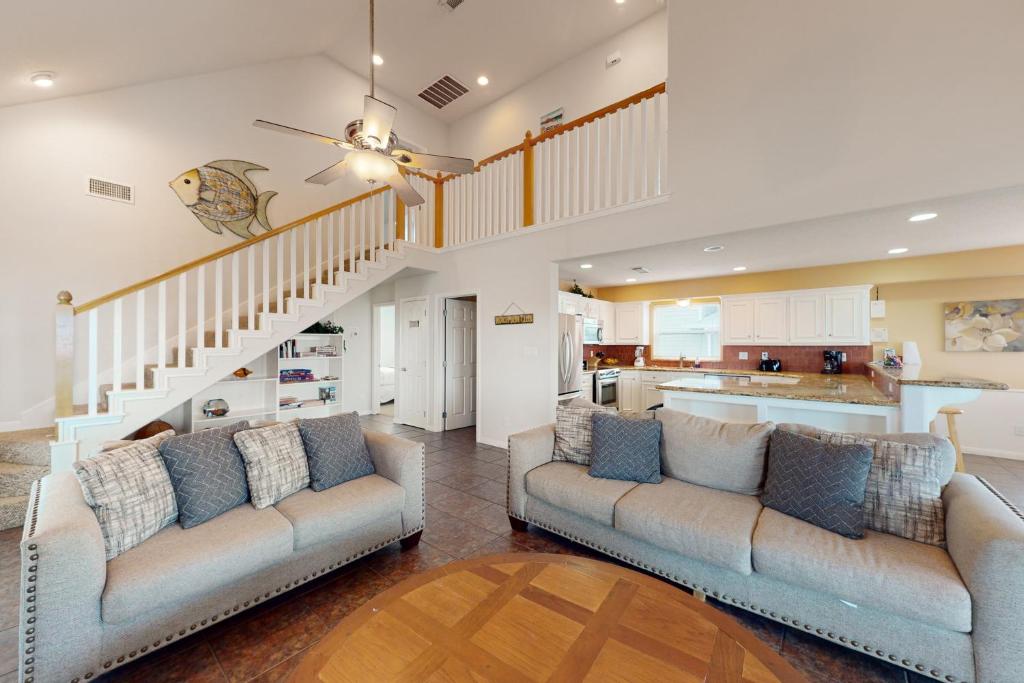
(833, 362)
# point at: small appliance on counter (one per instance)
(639, 355)
(770, 365)
(833, 363)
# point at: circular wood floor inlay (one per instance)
(540, 617)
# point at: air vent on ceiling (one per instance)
(639, 269)
(443, 91)
(108, 189)
(450, 4)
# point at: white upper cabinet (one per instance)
(816, 317)
(606, 309)
(770, 319)
(846, 317)
(570, 303)
(738, 320)
(632, 323)
(591, 308)
(807, 318)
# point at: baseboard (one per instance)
(993, 453)
(496, 443)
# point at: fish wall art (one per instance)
(220, 195)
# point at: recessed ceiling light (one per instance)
(739, 268)
(919, 217)
(898, 250)
(586, 266)
(630, 279)
(682, 302)
(620, 2)
(378, 60)
(482, 80)
(713, 248)
(43, 79)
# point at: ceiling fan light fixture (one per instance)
(370, 166)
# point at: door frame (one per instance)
(428, 337)
(436, 423)
(375, 358)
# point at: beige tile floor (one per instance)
(465, 518)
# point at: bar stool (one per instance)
(954, 437)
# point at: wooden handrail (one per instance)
(525, 146)
(99, 301)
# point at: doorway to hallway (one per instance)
(384, 359)
(460, 354)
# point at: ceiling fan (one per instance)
(372, 150)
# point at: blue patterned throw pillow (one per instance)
(822, 484)
(207, 473)
(336, 450)
(626, 449)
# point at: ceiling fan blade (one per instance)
(434, 162)
(260, 123)
(329, 174)
(378, 117)
(406, 193)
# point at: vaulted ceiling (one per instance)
(105, 44)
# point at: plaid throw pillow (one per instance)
(275, 462)
(904, 489)
(130, 492)
(574, 433)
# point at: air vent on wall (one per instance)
(108, 189)
(450, 4)
(443, 91)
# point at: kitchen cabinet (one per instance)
(591, 308)
(570, 303)
(628, 390)
(632, 323)
(738, 321)
(606, 314)
(807, 318)
(649, 392)
(770, 319)
(815, 317)
(845, 317)
(588, 386)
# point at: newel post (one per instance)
(65, 355)
(528, 179)
(439, 212)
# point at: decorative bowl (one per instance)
(216, 407)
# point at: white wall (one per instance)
(57, 238)
(387, 336)
(357, 319)
(580, 85)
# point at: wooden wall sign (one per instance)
(520, 318)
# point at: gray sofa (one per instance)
(952, 614)
(82, 616)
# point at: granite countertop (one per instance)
(798, 386)
(915, 375)
(708, 371)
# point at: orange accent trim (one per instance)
(528, 180)
(438, 212)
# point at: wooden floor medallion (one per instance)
(539, 617)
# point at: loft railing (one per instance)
(608, 158)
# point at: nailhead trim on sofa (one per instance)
(121, 659)
(853, 644)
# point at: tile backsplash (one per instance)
(794, 358)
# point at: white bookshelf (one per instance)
(257, 397)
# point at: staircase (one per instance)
(24, 457)
(169, 338)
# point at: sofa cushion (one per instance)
(130, 491)
(275, 462)
(818, 482)
(179, 565)
(626, 449)
(699, 522)
(881, 571)
(573, 432)
(568, 486)
(207, 473)
(722, 455)
(323, 516)
(336, 450)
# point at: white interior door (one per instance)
(412, 366)
(459, 364)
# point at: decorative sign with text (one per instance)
(509, 318)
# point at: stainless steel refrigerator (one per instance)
(570, 356)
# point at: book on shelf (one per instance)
(288, 349)
(328, 394)
(289, 375)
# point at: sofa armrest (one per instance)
(985, 538)
(63, 572)
(401, 461)
(526, 450)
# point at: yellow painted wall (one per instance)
(914, 290)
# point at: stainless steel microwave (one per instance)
(593, 332)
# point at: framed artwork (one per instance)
(995, 325)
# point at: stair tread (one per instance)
(12, 511)
(9, 468)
